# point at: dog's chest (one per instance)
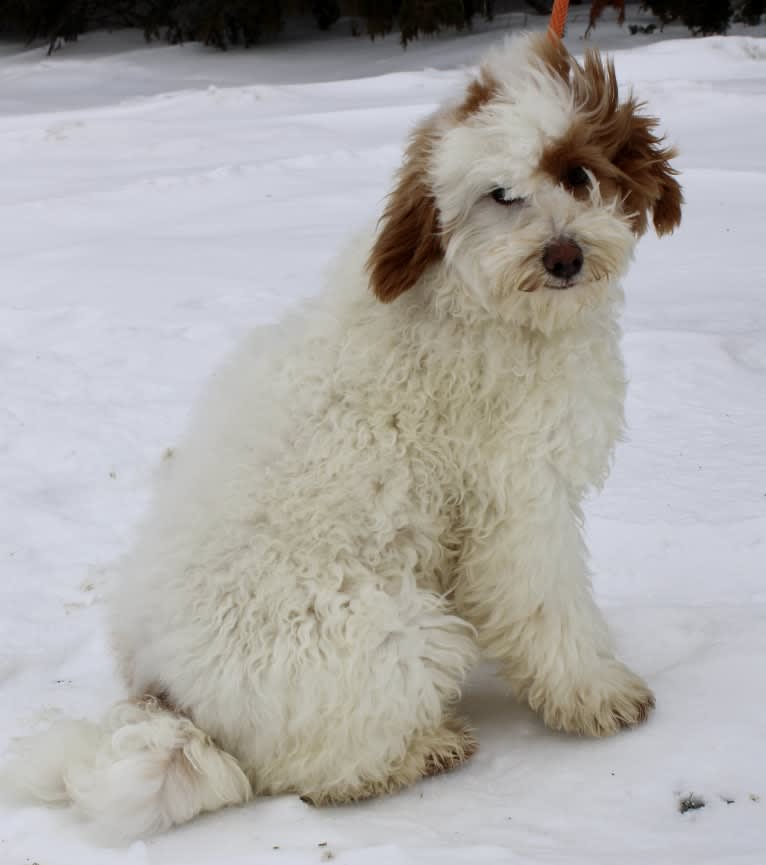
(560, 405)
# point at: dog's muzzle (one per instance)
(563, 259)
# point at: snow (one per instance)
(158, 202)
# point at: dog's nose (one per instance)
(563, 258)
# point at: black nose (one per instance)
(562, 258)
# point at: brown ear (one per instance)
(667, 208)
(648, 177)
(409, 238)
(644, 176)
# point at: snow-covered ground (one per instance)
(156, 203)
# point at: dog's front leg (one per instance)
(524, 585)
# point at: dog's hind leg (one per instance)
(389, 700)
(429, 753)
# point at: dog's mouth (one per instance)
(561, 284)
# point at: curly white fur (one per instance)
(372, 493)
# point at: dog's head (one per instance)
(531, 192)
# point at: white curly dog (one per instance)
(389, 482)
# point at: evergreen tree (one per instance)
(751, 11)
(245, 22)
(704, 17)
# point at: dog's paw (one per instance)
(613, 699)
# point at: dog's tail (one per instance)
(141, 771)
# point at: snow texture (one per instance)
(157, 203)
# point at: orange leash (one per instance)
(558, 19)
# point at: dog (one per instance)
(389, 483)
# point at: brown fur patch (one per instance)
(553, 54)
(480, 91)
(411, 235)
(619, 146)
(409, 239)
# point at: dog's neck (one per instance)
(539, 317)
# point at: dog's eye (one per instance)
(503, 196)
(577, 176)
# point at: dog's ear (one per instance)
(666, 213)
(649, 179)
(408, 239)
(628, 138)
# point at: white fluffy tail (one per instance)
(141, 771)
